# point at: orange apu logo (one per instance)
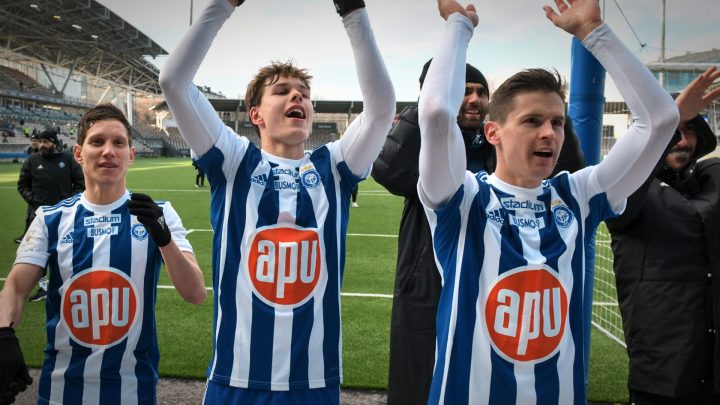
(285, 264)
(99, 306)
(525, 313)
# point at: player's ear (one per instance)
(491, 132)
(77, 153)
(255, 116)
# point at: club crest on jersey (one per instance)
(284, 264)
(139, 232)
(99, 306)
(563, 216)
(525, 314)
(309, 177)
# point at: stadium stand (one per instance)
(13, 79)
(155, 142)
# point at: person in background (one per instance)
(199, 175)
(46, 178)
(667, 266)
(354, 195)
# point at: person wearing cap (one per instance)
(667, 264)
(46, 178)
(33, 147)
(417, 280)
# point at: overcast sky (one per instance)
(512, 35)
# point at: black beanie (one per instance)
(50, 135)
(472, 75)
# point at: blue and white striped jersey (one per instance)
(512, 313)
(103, 269)
(278, 259)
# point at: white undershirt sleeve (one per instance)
(655, 118)
(364, 138)
(197, 120)
(442, 151)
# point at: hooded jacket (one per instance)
(667, 264)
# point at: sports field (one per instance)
(184, 330)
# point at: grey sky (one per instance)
(512, 35)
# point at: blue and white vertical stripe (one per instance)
(90, 374)
(258, 343)
(490, 230)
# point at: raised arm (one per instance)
(197, 120)
(364, 138)
(694, 99)
(442, 152)
(655, 115)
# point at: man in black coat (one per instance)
(667, 263)
(46, 178)
(417, 280)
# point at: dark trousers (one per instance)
(29, 216)
(412, 334)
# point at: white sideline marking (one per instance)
(371, 235)
(345, 294)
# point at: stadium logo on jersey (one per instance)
(526, 311)
(99, 306)
(563, 216)
(139, 232)
(66, 239)
(510, 203)
(284, 264)
(309, 177)
(102, 220)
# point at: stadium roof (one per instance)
(83, 36)
(696, 61)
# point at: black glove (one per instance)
(150, 215)
(14, 377)
(345, 6)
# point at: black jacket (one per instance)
(45, 181)
(396, 169)
(666, 248)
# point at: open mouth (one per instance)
(543, 153)
(295, 113)
(107, 165)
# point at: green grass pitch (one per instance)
(184, 330)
